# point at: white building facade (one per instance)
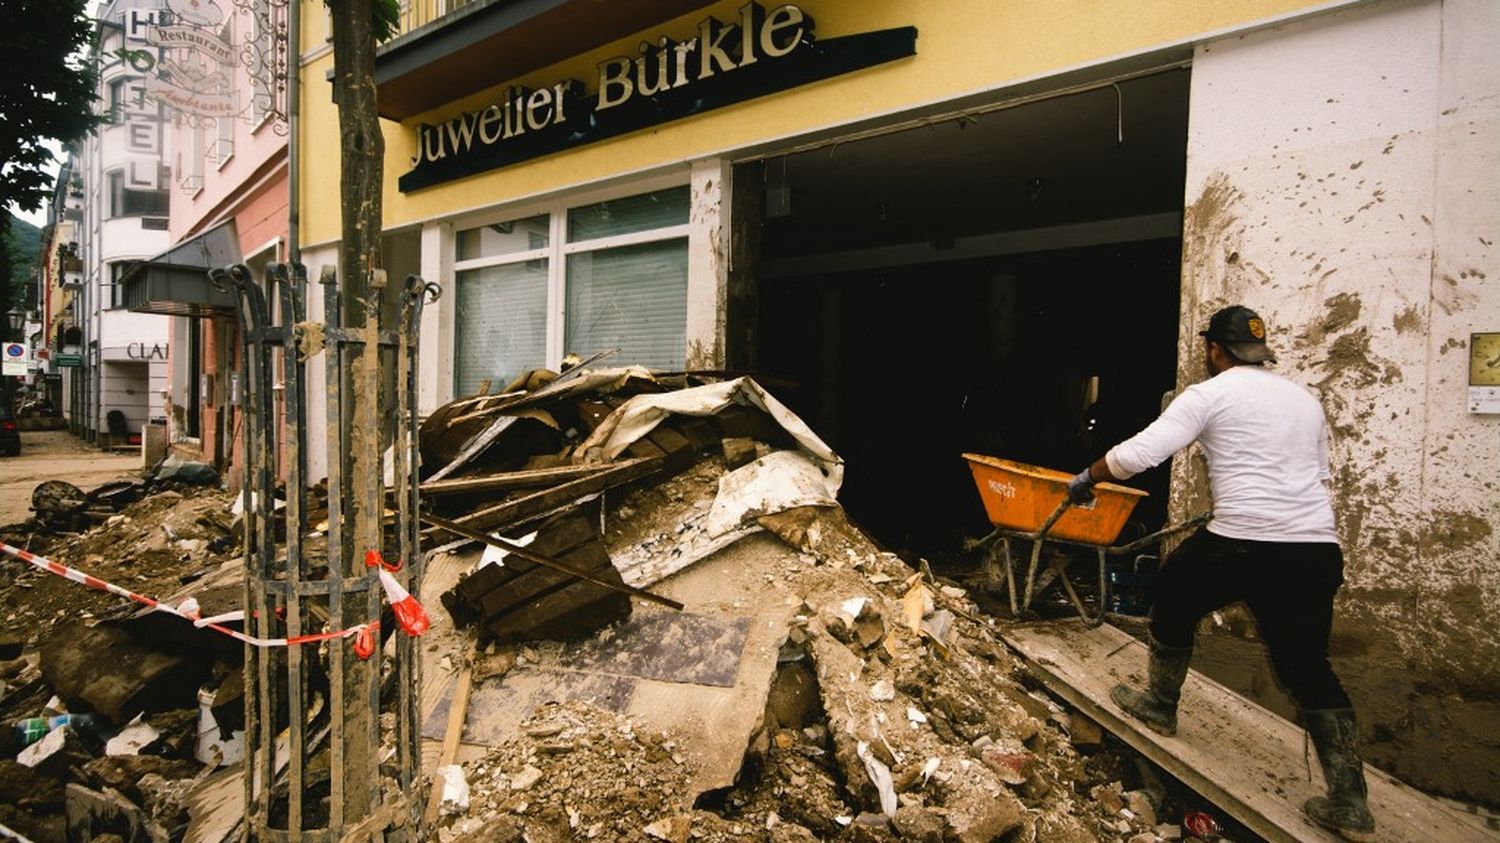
(119, 387)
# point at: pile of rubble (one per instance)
(656, 623)
(889, 711)
(878, 725)
(154, 544)
(106, 717)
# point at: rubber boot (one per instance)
(1156, 705)
(1345, 809)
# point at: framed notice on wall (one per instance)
(1484, 373)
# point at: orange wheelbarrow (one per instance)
(1028, 503)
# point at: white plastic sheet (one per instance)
(639, 415)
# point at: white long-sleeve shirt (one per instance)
(1266, 441)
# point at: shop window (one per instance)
(633, 298)
(627, 278)
(618, 270)
(629, 215)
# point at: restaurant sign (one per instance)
(724, 63)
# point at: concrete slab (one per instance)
(710, 696)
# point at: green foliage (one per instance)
(46, 92)
(386, 18)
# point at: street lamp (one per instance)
(17, 320)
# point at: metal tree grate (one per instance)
(303, 701)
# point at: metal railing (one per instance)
(416, 14)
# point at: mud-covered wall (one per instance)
(1342, 180)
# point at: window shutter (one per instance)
(633, 298)
(501, 324)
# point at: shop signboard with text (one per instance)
(720, 64)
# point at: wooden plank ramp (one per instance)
(1243, 758)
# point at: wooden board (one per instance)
(530, 506)
(1239, 756)
(510, 480)
(458, 710)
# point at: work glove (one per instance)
(1081, 488)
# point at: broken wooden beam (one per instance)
(523, 479)
(547, 562)
(539, 503)
(458, 711)
(523, 600)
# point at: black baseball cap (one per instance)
(1242, 332)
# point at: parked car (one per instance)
(10, 435)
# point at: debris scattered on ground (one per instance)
(153, 545)
(883, 707)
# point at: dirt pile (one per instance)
(153, 546)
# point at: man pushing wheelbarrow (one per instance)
(1271, 544)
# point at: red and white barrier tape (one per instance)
(409, 612)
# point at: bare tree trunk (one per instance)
(360, 181)
(363, 147)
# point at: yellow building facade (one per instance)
(992, 226)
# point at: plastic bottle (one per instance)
(33, 729)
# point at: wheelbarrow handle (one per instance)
(1190, 524)
(1051, 519)
(1036, 548)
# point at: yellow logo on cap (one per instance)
(1257, 329)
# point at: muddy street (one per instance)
(56, 455)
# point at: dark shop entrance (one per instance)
(1004, 282)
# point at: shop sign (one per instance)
(142, 351)
(192, 73)
(724, 63)
(191, 38)
(202, 103)
(68, 361)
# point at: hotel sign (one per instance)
(724, 63)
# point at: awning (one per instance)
(175, 283)
(482, 43)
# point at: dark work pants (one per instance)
(1288, 587)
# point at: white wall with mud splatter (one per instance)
(1344, 180)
